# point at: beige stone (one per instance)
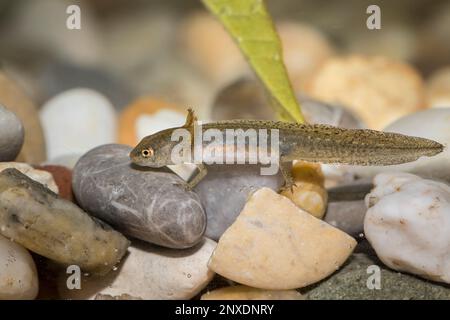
(378, 89)
(41, 176)
(207, 44)
(14, 99)
(150, 272)
(308, 192)
(18, 275)
(305, 49)
(438, 88)
(277, 246)
(248, 293)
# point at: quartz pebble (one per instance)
(308, 193)
(18, 275)
(13, 97)
(370, 86)
(226, 188)
(277, 246)
(151, 272)
(39, 220)
(248, 293)
(147, 116)
(11, 135)
(151, 205)
(77, 120)
(41, 176)
(408, 224)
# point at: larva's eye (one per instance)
(146, 153)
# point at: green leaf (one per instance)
(251, 26)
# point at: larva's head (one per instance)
(153, 151)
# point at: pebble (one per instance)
(247, 293)
(370, 85)
(346, 208)
(18, 275)
(350, 283)
(151, 205)
(432, 124)
(63, 179)
(226, 188)
(305, 49)
(39, 220)
(13, 97)
(216, 55)
(11, 135)
(408, 224)
(58, 76)
(146, 116)
(308, 193)
(438, 88)
(151, 272)
(41, 176)
(246, 99)
(347, 216)
(277, 246)
(77, 120)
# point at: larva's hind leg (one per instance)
(199, 175)
(286, 171)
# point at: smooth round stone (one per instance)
(11, 135)
(146, 116)
(150, 272)
(246, 99)
(408, 224)
(12, 96)
(18, 275)
(60, 76)
(151, 205)
(346, 208)
(76, 121)
(225, 190)
(432, 124)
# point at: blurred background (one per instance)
(175, 52)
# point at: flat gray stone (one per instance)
(225, 190)
(149, 204)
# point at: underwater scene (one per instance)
(224, 150)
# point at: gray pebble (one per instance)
(11, 135)
(151, 205)
(346, 208)
(225, 190)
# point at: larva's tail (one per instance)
(363, 146)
